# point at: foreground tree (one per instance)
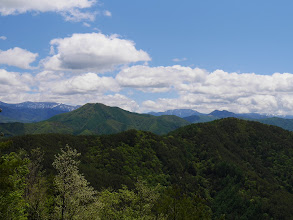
(13, 171)
(75, 199)
(36, 187)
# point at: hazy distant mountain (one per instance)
(253, 116)
(223, 114)
(196, 117)
(182, 113)
(216, 114)
(97, 119)
(200, 118)
(40, 105)
(32, 111)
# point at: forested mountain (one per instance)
(96, 119)
(32, 111)
(225, 169)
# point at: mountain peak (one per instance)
(98, 118)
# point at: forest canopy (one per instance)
(226, 169)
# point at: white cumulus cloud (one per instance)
(71, 9)
(94, 52)
(17, 57)
(3, 38)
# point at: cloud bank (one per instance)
(206, 91)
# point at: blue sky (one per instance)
(149, 55)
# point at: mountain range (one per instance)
(283, 121)
(184, 113)
(49, 117)
(96, 119)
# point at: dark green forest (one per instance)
(225, 169)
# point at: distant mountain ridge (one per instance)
(32, 111)
(177, 112)
(284, 121)
(28, 112)
(40, 105)
(184, 113)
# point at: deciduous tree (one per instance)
(75, 199)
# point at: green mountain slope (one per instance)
(240, 169)
(253, 159)
(97, 119)
(280, 122)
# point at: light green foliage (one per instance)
(75, 199)
(13, 170)
(130, 204)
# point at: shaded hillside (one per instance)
(280, 122)
(239, 169)
(97, 119)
